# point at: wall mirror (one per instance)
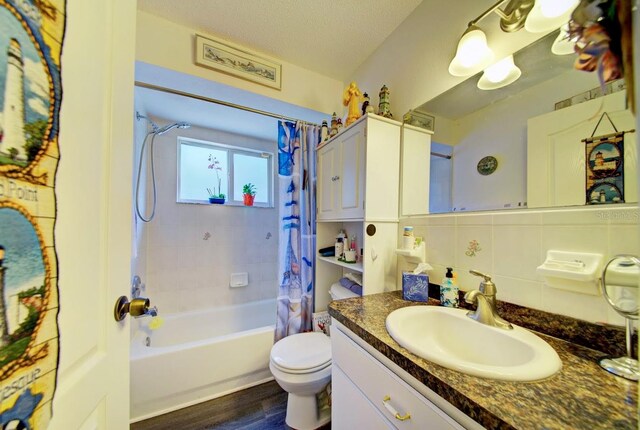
(527, 171)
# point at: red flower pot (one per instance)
(248, 199)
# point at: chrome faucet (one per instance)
(485, 299)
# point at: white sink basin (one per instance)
(448, 337)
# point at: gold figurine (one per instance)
(352, 97)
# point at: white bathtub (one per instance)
(197, 356)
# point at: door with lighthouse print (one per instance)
(30, 96)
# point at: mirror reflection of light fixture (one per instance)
(473, 53)
(548, 15)
(500, 74)
(563, 45)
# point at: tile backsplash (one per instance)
(510, 245)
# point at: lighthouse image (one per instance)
(12, 138)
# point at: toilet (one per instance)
(301, 365)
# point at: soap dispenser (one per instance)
(449, 290)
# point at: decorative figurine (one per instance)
(334, 125)
(324, 131)
(383, 107)
(352, 98)
(339, 125)
(365, 104)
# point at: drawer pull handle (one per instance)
(393, 411)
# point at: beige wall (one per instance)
(169, 45)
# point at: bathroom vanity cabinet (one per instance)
(366, 393)
(369, 366)
(358, 177)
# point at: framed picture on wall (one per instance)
(237, 61)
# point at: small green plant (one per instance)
(249, 189)
(215, 196)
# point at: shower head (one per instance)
(157, 130)
(166, 128)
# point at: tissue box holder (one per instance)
(415, 287)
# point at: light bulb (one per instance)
(500, 74)
(472, 48)
(548, 15)
(555, 8)
(472, 55)
(498, 71)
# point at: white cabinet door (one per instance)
(341, 176)
(351, 176)
(350, 409)
(328, 160)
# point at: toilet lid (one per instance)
(306, 352)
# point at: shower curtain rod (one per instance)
(235, 106)
(218, 102)
(437, 154)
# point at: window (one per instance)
(208, 167)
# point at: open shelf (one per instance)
(357, 267)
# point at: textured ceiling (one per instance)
(327, 36)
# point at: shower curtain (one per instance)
(296, 186)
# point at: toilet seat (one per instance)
(302, 353)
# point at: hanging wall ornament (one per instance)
(30, 96)
(604, 156)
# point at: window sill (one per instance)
(234, 204)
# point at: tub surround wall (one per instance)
(509, 245)
(192, 249)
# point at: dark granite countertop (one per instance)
(580, 396)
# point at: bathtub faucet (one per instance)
(152, 312)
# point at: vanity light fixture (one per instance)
(548, 15)
(474, 54)
(500, 74)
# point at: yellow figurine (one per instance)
(352, 97)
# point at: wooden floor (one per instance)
(262, 407)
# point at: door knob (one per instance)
(137, 308)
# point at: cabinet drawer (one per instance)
(394, 398)
(350, 409)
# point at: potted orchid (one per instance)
(216, 197)
(248, 194)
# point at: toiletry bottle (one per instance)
(408, 240)
(339, 248)
(449, 290)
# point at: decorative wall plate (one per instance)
(487, 165)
